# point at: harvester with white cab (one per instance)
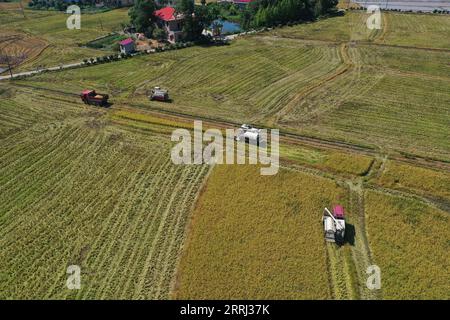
(159, 94)
(249, 134)
(334, 224)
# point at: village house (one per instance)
(127, 46)
(170, 21)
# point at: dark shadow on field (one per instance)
(349, 234)
(209, 43)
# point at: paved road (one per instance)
(28, 73)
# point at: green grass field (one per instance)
(65, 45)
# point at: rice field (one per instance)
(96, 187)
(77, 191)
(422, 181)
(409, 243)
(391, 98)
(397, 29)
(258, 237)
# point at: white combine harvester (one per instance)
(159, 94)
(334, 224)
(249, 135)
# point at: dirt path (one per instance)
(285, 136)
(360, 251)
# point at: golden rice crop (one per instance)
(257, 237)
(410, 243)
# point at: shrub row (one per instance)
(407, 11)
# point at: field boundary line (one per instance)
(438, 203)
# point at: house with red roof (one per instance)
(127, 46)
(171, 21)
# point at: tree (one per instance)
(141, 14)
(196, 18)
(185, 6)
(160, 34)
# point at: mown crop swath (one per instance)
(82, 192)
(365, 92)
(402, 29)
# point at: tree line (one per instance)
(268, 13)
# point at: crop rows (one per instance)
(409, 242)
(82, 192)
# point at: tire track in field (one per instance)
(347, 64)
(360, 251)
(309, 140)
(169, 197)
(110, 228)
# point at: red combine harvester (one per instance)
(91, 97)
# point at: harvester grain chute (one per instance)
(334, 224)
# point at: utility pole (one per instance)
(21, 7)
(7, 61)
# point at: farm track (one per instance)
(308, 140)
(286, 136)
(360, 250)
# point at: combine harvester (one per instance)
(249, 135)
(91, 97)
(159, 94)
(334, 224)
